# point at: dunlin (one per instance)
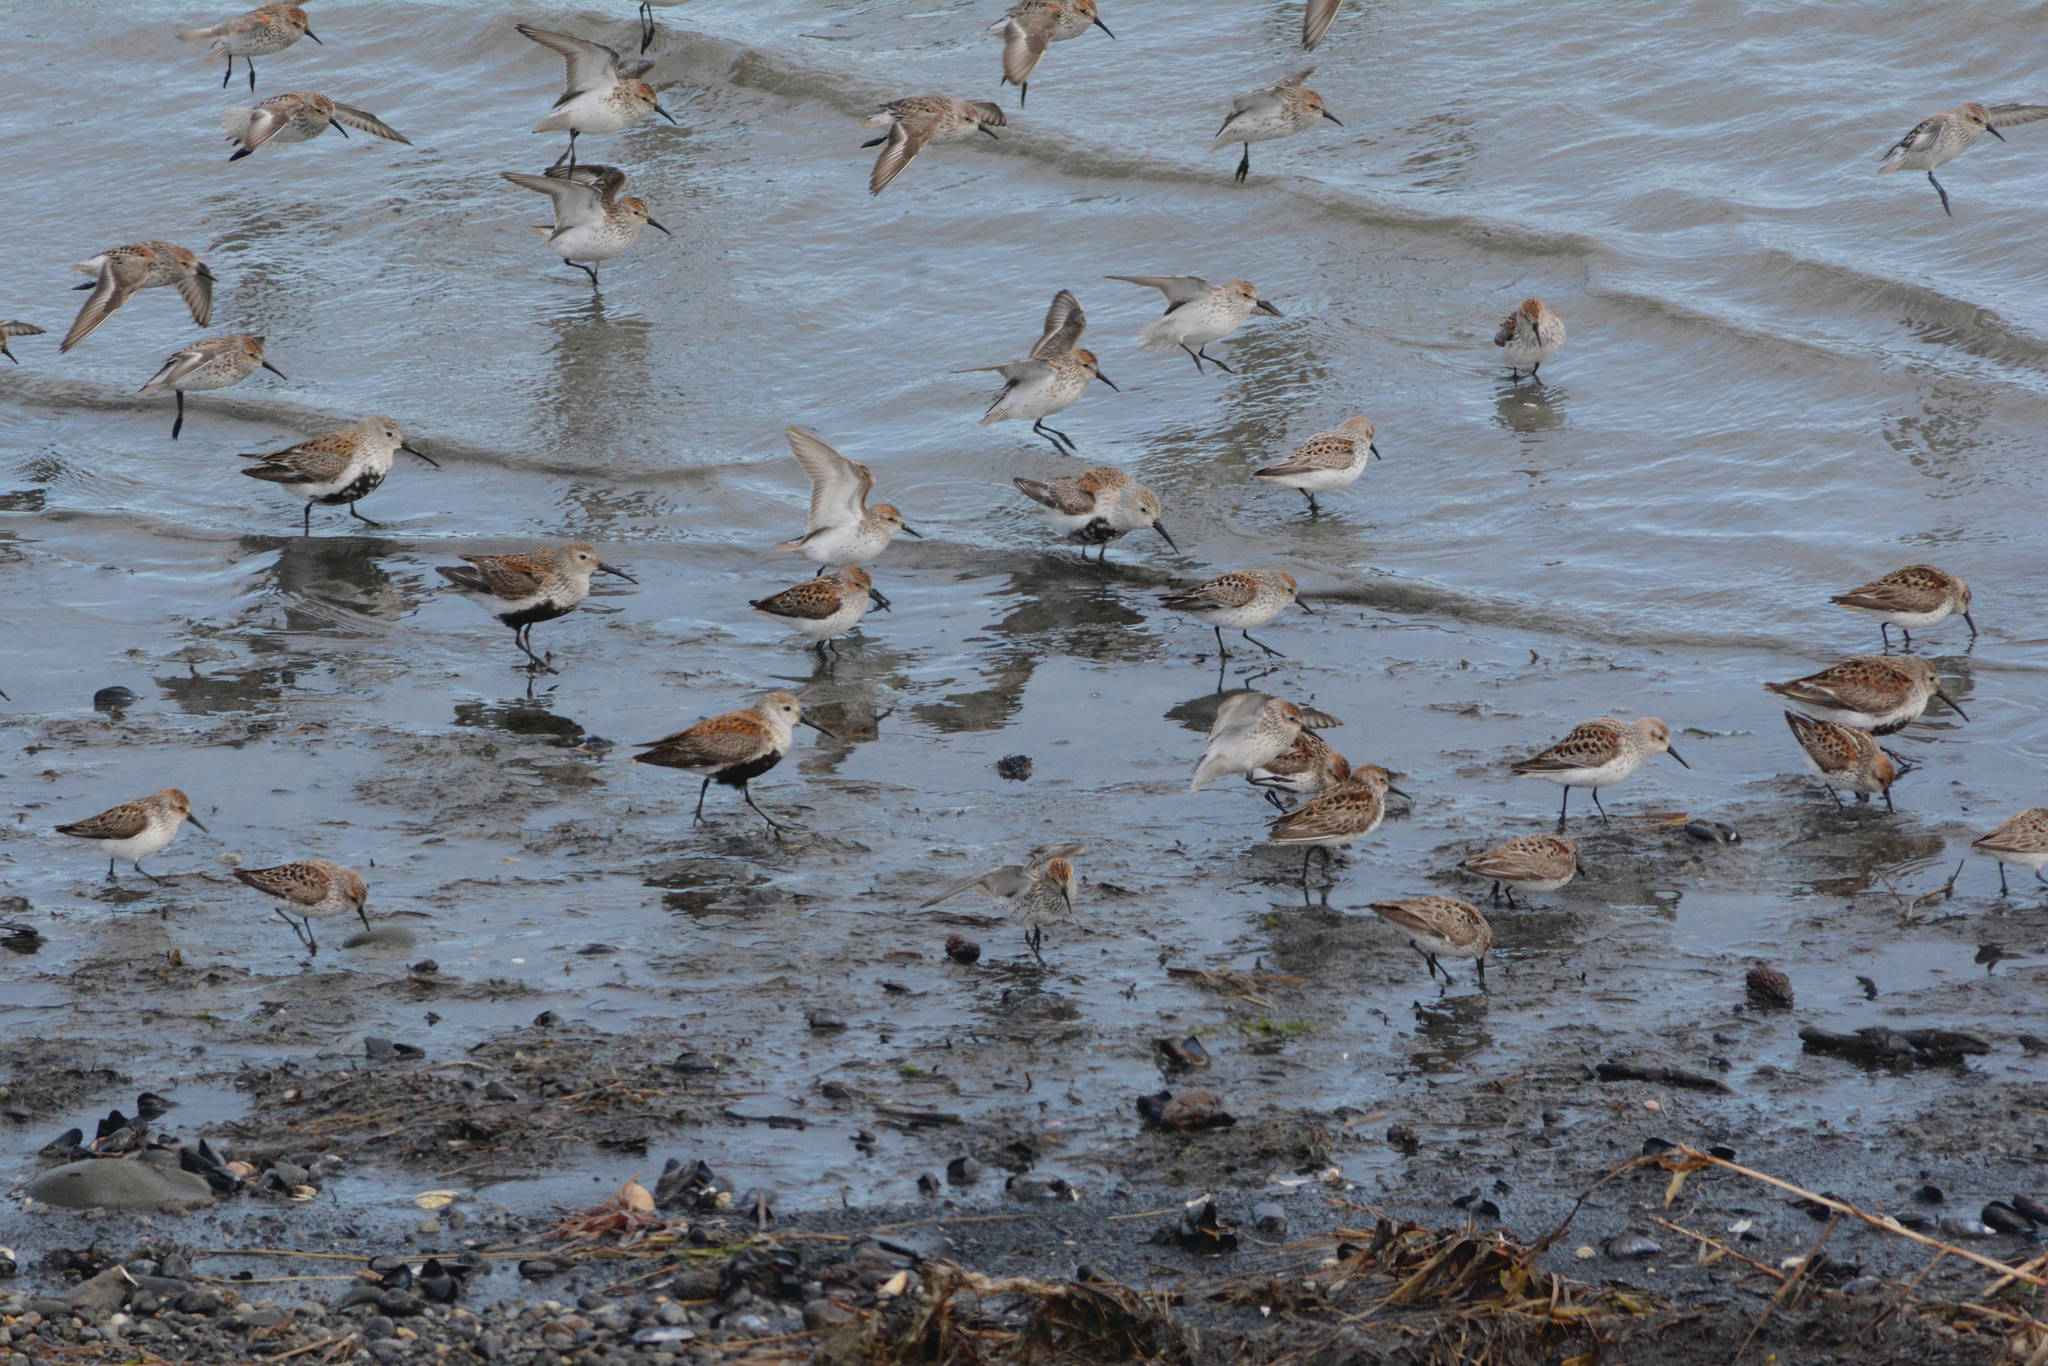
(843, 529)
(1238, 601)
(524, 590)
(17, 329)
(296, 117)
(1344, 815)
(1316, 21)
(1529, 336)
(733, 749)
(120, 271)
(1938, 140)
(310, 887)
(337, 468)
(1534, 863)
(1918, 595)
(1097, 507)
(210, 363)
(2021, 841)
(1305, 768)
(592, 222)
(1846, 759)
(1052, 379)
(1250, 731)
(132, 831)
(1599, 753)
(1031, 25)
(1279, 110)
(1441, 927)
(1036, 893)
(820, 608)
(1880, 693)
(1198, 312)
(1329, 460)
(602, 95)
(261, 32)
(919, 120)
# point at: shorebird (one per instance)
(1097, 507)
(17, 329)
(261, 32)
(1239, 600)
(2021, 841)
(843, 529)
(1880, 693)
(1036, 893)
(1441, 927)
(524, 590)
(602, 94)
(1315, 22)
(1279, 110)
(1530, 335)
(132, 831)
(120, 271)
(336, 468)
(592, 222)
(296, 117)
(1198, 312)
(1030, 25)
(1328, 460)
(1599, 753)
(1052, 379)
(1250, 731)
(311, 887)
(821, 608)
(1345, 814)
(1938, 140)
(210, 363)
(1918, 595)
(1535, 863)
(919, 120)
(1847, 759)
(1303, 769)
(733, 749)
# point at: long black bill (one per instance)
(1951, 704)
(1375, 451)
(1107, 380)
(665, 114)
(807, 721)
(273, 369)
(1266, 306)
(1302, 603)
(909, 532)
(414, 450)
(1674, 754)
(1097, 21)
(664, 231)
(1994, 132)
(1333, 118)
(984, 128)
(336, 126)
(603, 568)
(196, 821)
(314, 36)
(1160, 527)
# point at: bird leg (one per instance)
(570, 155)
(646, 25)
(1888, 802)
(1203, 354)
(1562, 805)
(230, 74)
(1055, 436)
(146, 873)
(353, 513)
(1022, 90)
(1193, 355)
(1274, 798)
(1035, 936)
(1482, 972)
(586, 270)
(1244, 167)
(1943, 193)
(698, 819)
(178, 422)
(1884, 629)
(306, 521)
(1511, 899)
(1221, 651)
(1270, 651)
(112, 878)
(748, 797)
(2001, 881)
(522, 637)
(251, 68)
(1313, 511)
(1596, 804)
(1493, 898)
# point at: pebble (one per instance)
(1269, 1219)
(110, 1183)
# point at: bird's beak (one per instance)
(1066, 901)
(881, 603)
(1302, 603)
(604, 568)
(652, 224)
(807, 721)
(988, 130)
(94, 284)
(1994, 132)
(1266, 306)
(909, 531)
(1107, 380)
(1160, 527)
(336, 126)
(203, 272)
(1398, 792)
(1333, 118)
(1097, 21)
(1375, 451)
(414, 450)
(314, 36)
(273, 369)
(1971, 624)
(665, 114)
(1951, 704)
(196, 821)
(1674, 754)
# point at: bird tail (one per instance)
(200, 35)
(1156, 336)
(235, 123)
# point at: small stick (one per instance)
(1721, 1247)
(1786, 1288)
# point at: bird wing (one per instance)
(590, 66)
(302, 884)
(576, 204)
(364, 121)
(503, 576)
(1178, 289)
(1328, 451)
(1064, 324)
(318, 461)
(811, 600)
(180, 364)
(2008, 114)
(1043, 854)
(1014, 372)
(607, 181)
(1506, 331)
(268, 119)
(197, 292)
(1061, 495)
(907, 137)
(1226, 590)
(123, 822)
(1316, 22)
(732, 738)
(1923, 135)
(18, 329)
(1340, 811)
(1010, 880)
(839, 487)
(1024, 43)
(120, 276)
(1589, 745)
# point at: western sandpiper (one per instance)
(1918, 595)
(1030, 25)
(1035, 893)
(1534, 863)
(1198, 312)
(296, 117)
(132, 831)
(310, 887)
(603, 95)
(1316, 21)
(592, 222)
(1279, 110)
(734, 748)
(1303, 769)
(1847, 759)
(1940, 139)
(1441, 927)
(337, 468)
(1250, 731)
(1880, 693)
(2021, 841)
(1052, 379)
(1328, 460)
(1599, 753)
(120, 271)
(919, 120)
(1345, 814)
(820, 608)
(1530, 335)
(1238, 601)
(1097, 507)
(17, 329)
(524, 590)
(261, 32)
(843, 529)
(210, 363)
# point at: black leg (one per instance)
(1482, 972)
(1888, 801)
(1244, 167)
(1204, 354)
(1306, 855)
(1035, 937)
(230, 75)
(1511, 899)
(1563, 804)
(1221, 651)
(1884, 629)
(251, 68)
(306, 521)
(1448, 979)
(1427, 961)
(586, 270)
(748, 797)
(1313, 511)
(146, 873)
(1536, 372)
(2001, 881)
(1194, 356)
(1055, 436)
(178, 422)
(364, 916)
(1493, 898)
(112, 878)
(297, 933)
(1943, 193)
(1596, 804)
(698, 819)
(1836, 795)
(1022, 91)
(646, 25)
(1270, 651)
(353, 513)
(1274, 798)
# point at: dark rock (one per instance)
(1200, 1229)
(113, 698)
(400, 1304)
(1403, 1140)
(962, 950)
(964, 1170)
(108, 1290)
(201, 1302)
(1269, 1219)
(1768, 988)
(1015, 767)
(1189, 1112)
(1713, 832)
(112, 1183)
(822, 1020)
(498, 1090)
(2006, 1219)
(540, 1268)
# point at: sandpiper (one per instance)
(1316, 21)
(17, 329)
(1599, 753)
(1238, 601)
(1030, 25)
(1441, 927)
(1097, 507)
(296, 117)
(602, 95)
(1328, 460)
(733, 749)
(918, 120)
(523, 590)
(1343, 815)
(120, 271)
(261, 32)
(843, 529)
(1279, 110)
(2021, 841)
(592, 222)
(336, 468)
(1250, 731)
(1198, 312)
(1918, 595)
(1303, 769)
(824, 607)
(310, 887)
(1037, 892)
(1880, 693)
(1940, 139)
(1052, 379)
(132, 831)
(1847, 759)
(1529, 336)
(210, 363)
(1534, 863)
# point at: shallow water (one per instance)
(1784, 376)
